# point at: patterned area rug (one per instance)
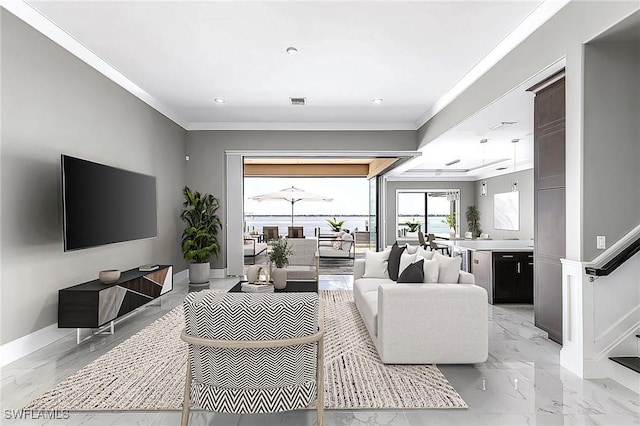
(147, 371)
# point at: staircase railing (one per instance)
(626, 249)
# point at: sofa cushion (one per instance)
(411, 249)
(405, 260)
(394, 261)
(448, 268)
(376, 264)
(427, 254)
(368, 308)
(431, 271)
(414, 273)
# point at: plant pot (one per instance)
(452, 232)
(252, 273)
(199, 273)
(279, 277)
(109, 276)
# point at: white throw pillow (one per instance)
(411, 249)
(427, 254)
(431, 270)
(376, 264)
(448, 268)
(406, 259)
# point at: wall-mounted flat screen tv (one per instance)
(104, 205)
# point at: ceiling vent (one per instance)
(298, 101)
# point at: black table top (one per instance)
(292, 287)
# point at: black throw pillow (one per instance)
(394, 261)
(413, 273)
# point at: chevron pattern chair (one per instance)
(253, 353)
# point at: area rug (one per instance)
(147, 371)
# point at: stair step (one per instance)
(631, 362)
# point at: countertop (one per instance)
(491, 245)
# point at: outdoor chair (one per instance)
(235, 367)
(435, 246)
(295, 232)
(270, 233)
(304, 264)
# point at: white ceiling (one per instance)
(178, 56)
(185, 54)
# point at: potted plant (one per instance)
(413, 226)
(200, 236)
(473, 220)
(336, 225)
(279, 255)
(450, 220)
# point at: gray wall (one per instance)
(611, 142)
(562, 36)
(206, 168)
(467, 197)
(52, 103)
(500, 184)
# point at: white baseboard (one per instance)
(23, 346)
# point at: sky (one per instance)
(350, 196)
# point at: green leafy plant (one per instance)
(200, 236)
(473, 220)
(280, 252)
(413, 225)
(450, 220)
(336, 225)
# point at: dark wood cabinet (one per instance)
(512, 277)
(94, 304)
(549, 203)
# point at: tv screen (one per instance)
(104, 205)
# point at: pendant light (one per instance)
(514, 184)
(483, 184)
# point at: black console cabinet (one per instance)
(94, 304)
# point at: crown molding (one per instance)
(363, 126)
(531, 23)
(35, 19)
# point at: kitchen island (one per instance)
(503, 267)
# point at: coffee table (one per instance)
(292, 287)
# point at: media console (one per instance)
(94, 304)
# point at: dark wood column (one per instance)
(549, 203)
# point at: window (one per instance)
(429, 207)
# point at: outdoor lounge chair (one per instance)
(272, 368)
(270, 233)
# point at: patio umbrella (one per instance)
(292, 195)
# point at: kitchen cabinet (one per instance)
(512, 277)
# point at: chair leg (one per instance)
(320, 383)
(186, 404)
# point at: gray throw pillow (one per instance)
(413, 273)
(394, 261)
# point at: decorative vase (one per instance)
(252, 273)
(279, 277)
(109, 276)
(452, 232)
(199, 273)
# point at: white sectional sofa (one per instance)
(435, 323)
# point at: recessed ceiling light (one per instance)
(515, 140)
(501, 168)
(451, 163)
(377, 101)
(292, 50)
(219, 100)
(484, 140)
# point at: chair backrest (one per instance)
(434, 245)
(296, 232)
(255, 379)
(304, 251)
(431, 237)
(421, 239)
(270, 233)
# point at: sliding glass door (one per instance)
(429, 208)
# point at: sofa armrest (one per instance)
(466, 278)
(434, 323)
(358, 269)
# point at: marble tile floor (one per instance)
(522, 382)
